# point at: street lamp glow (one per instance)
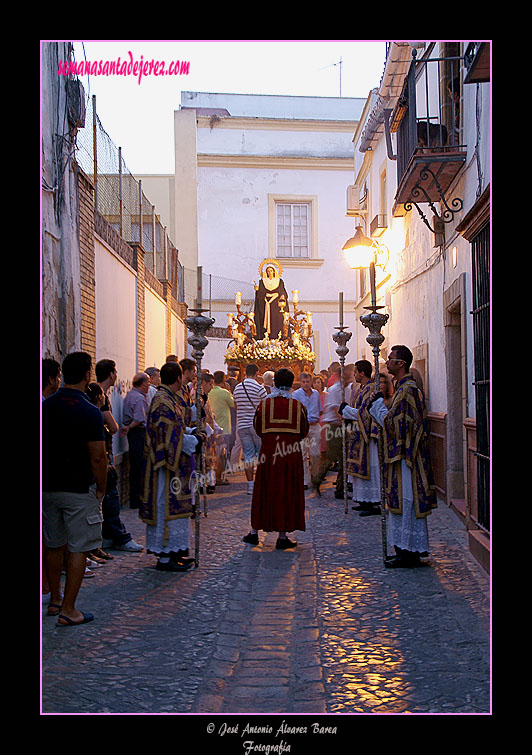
(359, 251)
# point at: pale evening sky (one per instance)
(139, 116)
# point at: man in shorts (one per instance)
(74, 476)
(247, 395)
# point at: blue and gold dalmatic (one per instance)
(165, 428)
(362, 430)
(405, 438)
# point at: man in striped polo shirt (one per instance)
(247, 395)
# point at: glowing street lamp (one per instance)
(360, 253)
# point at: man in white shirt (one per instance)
(154, 374)
(247, 395)
(333, 433)
(310, 448)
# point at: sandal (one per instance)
(69, 623)
(102, 554)
(57, 609)
(96, 559)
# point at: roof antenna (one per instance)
(340, 65)
(331, 66)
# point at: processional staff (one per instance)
(341, 338)
(374, 321)
(198, 326)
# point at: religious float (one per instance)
(270, 336)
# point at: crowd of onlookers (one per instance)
(228, 403)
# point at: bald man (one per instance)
(134, 416)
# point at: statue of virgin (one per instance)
(268, 294)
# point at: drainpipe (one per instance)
(386, 113)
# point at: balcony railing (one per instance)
(428, 123)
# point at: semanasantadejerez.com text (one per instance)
(120, 67)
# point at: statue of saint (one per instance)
(268, 294)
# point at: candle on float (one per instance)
(238, 298)
(309, 318)
(229, 320)
(295, 296)
(372, 283)
(341, 307)
(199, 294)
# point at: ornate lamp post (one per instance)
(361, 253)
(198, 326)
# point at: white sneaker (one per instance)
(250, 488)
(93, 564)
(48, 596)
(131, 547)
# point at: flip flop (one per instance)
(69, 623)
(53, 613)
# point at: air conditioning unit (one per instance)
(76, 103)
(353, 206)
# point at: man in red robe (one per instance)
(278, 503)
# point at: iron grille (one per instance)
(431, 119)
(480, 250)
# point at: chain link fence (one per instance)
(121, 201)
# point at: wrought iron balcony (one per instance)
(477, 63)
(427, 120)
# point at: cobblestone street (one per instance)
(322, 629)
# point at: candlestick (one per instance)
(341, 338)
(198, 326)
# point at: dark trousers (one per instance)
(112, 526)
(135, 440)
